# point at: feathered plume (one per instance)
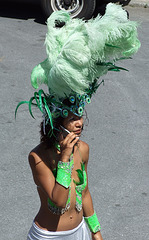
(79, 52)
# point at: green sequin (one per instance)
(64, 170)
(93, 223)
(80, 186)
(56, 210)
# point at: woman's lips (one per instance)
(77, 132)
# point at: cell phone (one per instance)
(65, 131)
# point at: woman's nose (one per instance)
(79, 123)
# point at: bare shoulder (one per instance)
(84, 150)
(83, 146)
(38, 154)
(35, 154)
(39, 161)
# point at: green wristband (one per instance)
(93, 223)
(64, 170)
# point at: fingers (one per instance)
(70, 138)
(67, 146)
(74, 141)
(63, 136)
(69, 142)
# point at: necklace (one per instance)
(57, 145)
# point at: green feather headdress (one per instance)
(79, 53)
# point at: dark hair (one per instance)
(45, 131)
(45, 134)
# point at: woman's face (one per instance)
(73, 123)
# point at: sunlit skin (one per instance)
(42, 161)
(74, 124)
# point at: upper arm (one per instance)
(42, 175)
(84, 149)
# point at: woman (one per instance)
(44, 160)
(78, 53)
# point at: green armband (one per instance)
(93, 223)
(64, 170)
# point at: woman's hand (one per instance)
(97, 236)
(67, 145)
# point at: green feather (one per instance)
(19, 104)
(109, 45)
(117, 69)
(38, 100)
(74, 49)
(30, 106)
(48, 112)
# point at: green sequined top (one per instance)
(80, 186)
